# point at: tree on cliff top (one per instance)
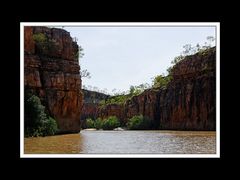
(190, 50)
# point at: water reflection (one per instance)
(124, 142)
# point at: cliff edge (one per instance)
(51, 71)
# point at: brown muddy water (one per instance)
(124, 142)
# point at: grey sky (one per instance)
(118, 57)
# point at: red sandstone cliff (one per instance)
(51, 70)
(187, 103)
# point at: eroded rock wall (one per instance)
(51, 70)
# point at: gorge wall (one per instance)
(51, 71)
(188, 102)
(91, 103)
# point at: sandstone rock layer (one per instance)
(51, 70)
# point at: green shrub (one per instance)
(110, 123)
(139, 123)
(39, 38)
(90, 123)
(41, 43)
(98, 123)
(44, 44)
(49, 127)
(161, 81)
(36, 121)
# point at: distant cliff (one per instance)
(91, 101)
(51, 71)
(188, 102)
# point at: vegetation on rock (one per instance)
(161, 81)
(191, 50)
(44, 44)
(124, 96)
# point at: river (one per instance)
(124, 142)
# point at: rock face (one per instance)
(51, 70)
(91, 103)
(187, 103)
(117, 110)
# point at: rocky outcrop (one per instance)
(51, 70)
(117, 110)
(188, 102)
(146, 104)
(91, 101)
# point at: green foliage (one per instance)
(139, 123)
(190, 50)
(110, 123)
(161, 81)
(44, 44)
(34, 112)
(48, 127)
(85, 73)
(122, 98)
(39, 38)
(98, 123)
(41, 42)
(37, 123)
(90, 123)
(177, 59)
(119, 99)
(169, 70)
(106, 124)
(79, 54)
(102, 103)
(136, 90)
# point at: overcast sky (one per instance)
(118, 57)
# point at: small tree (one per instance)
(98, 123)
(80, 50)
(177, 59)
(187, 49)
(85, 73)
(198, 47)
